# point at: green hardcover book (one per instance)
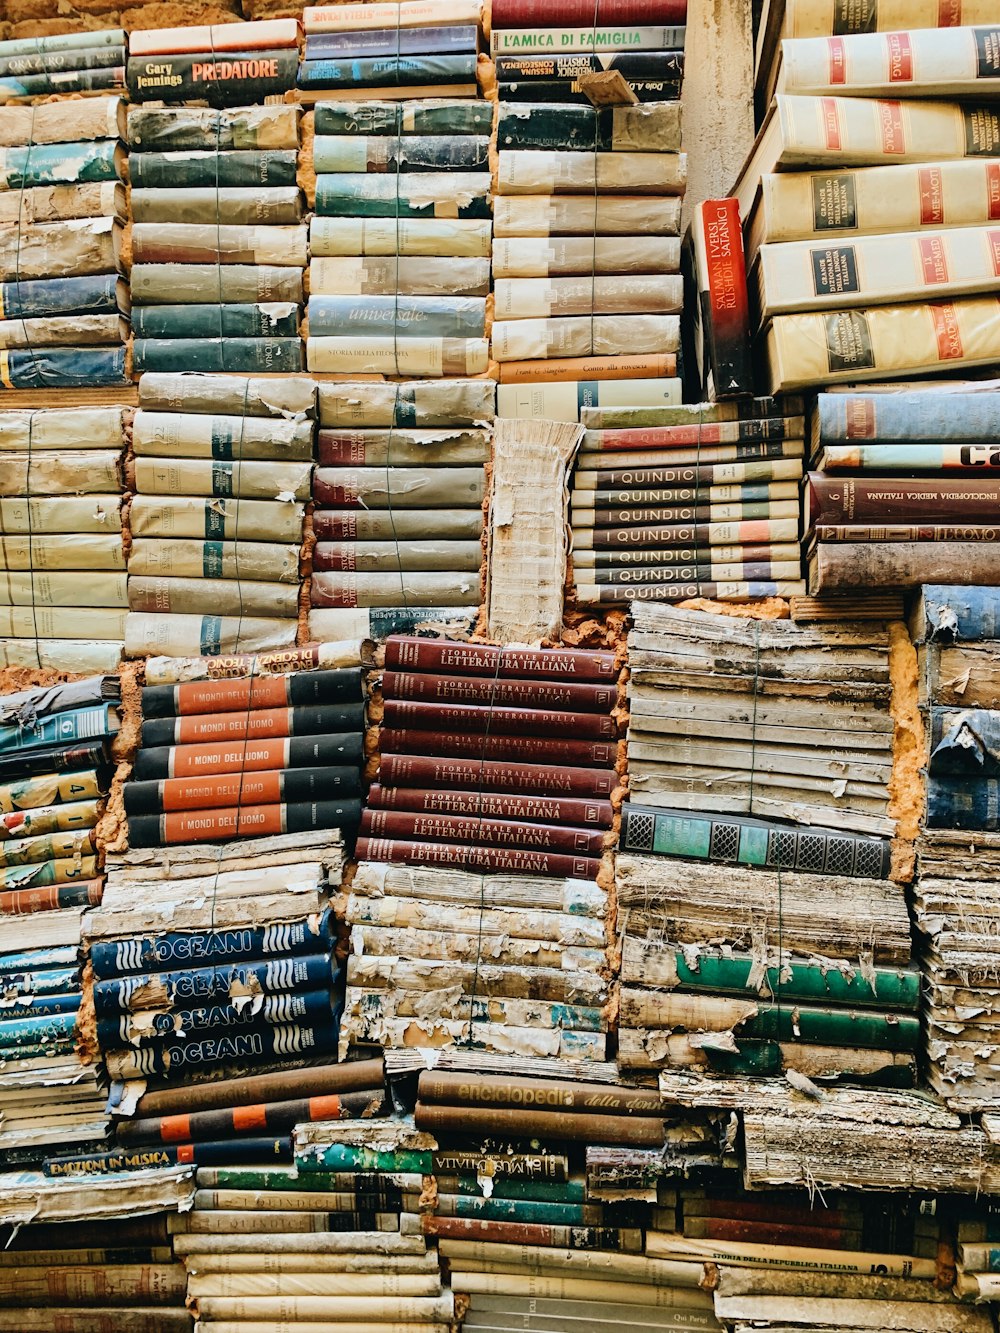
(451, 117)
(60, 163)
(239, 355)
(761, 1058)
(643, 129)
(496, 1209)
(166, 129)
(341, 1157)
(275, 319)
(412, 152)
(797, 981)
(541, 1191)
(230, 205)
(157, 171)
(355, 194)
(833, 1027)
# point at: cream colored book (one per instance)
(542, 172)
(67, 514)
(211, 596)
(406, 275)
(62, 622)
(224, 519)
(397, 356)
(887, 342)
(207, 435)
(539, 298)
(52, 473)
(929, 62)
(197, 476)
(62, 428)
(405, 14)
(70, 249)
(71, 121)
(62, 588)
(540, 256)
(799, 205)
(563, 401)
(78, 550)
(821, 18)
(200, 243)
(194, 635)
(468, 237)
(84, 330)
(86, 656)
(543, 214)
(191, 558)
(810, 275)
(58, 203)
(592, 335)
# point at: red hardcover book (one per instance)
(526, 749)
(931, 500)
(479, 832)
(513, 693)
(494, 805)
(423, 770)
(769, 1209)
(771, 1233)
(485, 719)
(585, 13)
(690, 436)
(502, 860)
(482, 659)
(534, 1233)
(722, 345)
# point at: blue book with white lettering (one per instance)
(312, 1010)
(389, 71)
(204, 984)
(400, 316)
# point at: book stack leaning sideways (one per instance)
(223, 64)
(55, 771)
(958, 850)
(399, 496)
(394, 288)
(63, 299)
(696, 500)
(868, 207)
(904, 482)
(221, 468)
(478, 910)
(218, 242)
(63, 600)
(67, 62)
(397, 50)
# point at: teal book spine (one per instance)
(278, 319)
(76, 724)
(389, 71)
(408, 152)
(456, 117)
(67, 41)
(519, 1210)
(243, 168)
(48, 62)
(359, 195)
(63, 81)
(58, 163)
(740, 975)
(402, 316)
(341, 1157)
(541, 1191)
(240, 355)
(62, 367)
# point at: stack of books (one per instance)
(62, 298)
(550, 52)
(868, 209)
(755, 977)
(958, 850)
(605, 182)
(399, 496)
(63, 601)
(392, 289)
(54, 775)
(976, 1235)
(904, 482)
(68, 62)
(221, 469)
(701, 500)
(218, 242)
(407, 49)
(762, 717)
(224, 64)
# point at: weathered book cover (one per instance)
(63, 81)
(245, 355)
(54, 164)
(355, 194)
(393, 41)
(442, 117)
(239, 283)
(174, 989)
(272, 321)
(643, 129)
(236, 78)
(388, 71)
(399, 152)
(262, 168)
(160, 129)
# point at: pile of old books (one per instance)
(536, 64)
(63, 601)
(392, 289)
(976, 1233)
(687, 501)
(218, 245)
(221, 469)
(67, 62)
(607, 183)
(958, 851)
(500, 940)
(224, 64)
(904, 483)
(62, 299)
(868, 211)
(399, 493)
(54, 773)
(399, 50)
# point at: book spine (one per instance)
(534, 1234)
(466, 659)
(903, 532)
(516, 860)
(239, 355)
(63, 81)
(390, 41)
(197, 243)
(761, 431)
(723, 298)
(730, 591)
(33, 299)
(267, 1117)
(247, 128)
(274, 321)
(388, 71)
(369, 557)
(243, 1048)
(255, 724)
(427, 316)
(542, 41)
(449, 828)
(396, 152)
(400, 525)
(200, 595)
(229, 284)
(603, 562)
(357, 1075)
(573, 370)
(109, 1282)
(251, 480)
(576, 1127)
(240, 755)
(359, 195)
(539, 13)
(920, 62)
(553, 749)
(718, 525)
(965, 458)
(389, 487)
(518, 1210)
(257, 692)
(155, 952)
(403, 118)
(19, 902)
(410, 355)
(551, 810)
(68, 41)
(52, 164)
(904, 418)
(384, 589)
(404, 770)
(474, 719)
(602, 129)
(771, 1233)
(554, 694)
(835, 499)
(344, 1157)
(558, 1096)
(260, 168)
(275, 206)
(63, 367)
(214, 825)
(234, 79)
(121, 995)
(661, 479)
(296, 786)
(700, 569)
(146, 1158)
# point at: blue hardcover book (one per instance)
(444, 117)
(63, 81)
(270, 356)
(67, 41)
(174, 989)
(39, 298)
(60, 163)
(356, 194)
(941, 418)
(34, 961)
(44, 982)
(43, 1006)
(76, 724)
(944, 613)
(457, 37)
(961, 803)
(389, 72)
(312, 1010)
(402, 316)
(241, 1048)
(62, 367)
(965, 740)
(22, 1034)
(164, 952)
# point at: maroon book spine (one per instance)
(511, 860)
(770, 1233)
(512, 693)
(474, 831)
(494, 805)
(929, 500)
(528, 749)
(481, 659)
(586, 13)
(424, 770)
(485, 719)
